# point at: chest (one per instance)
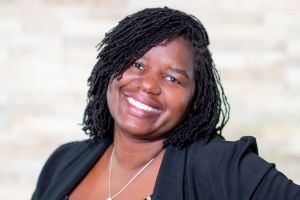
(96, 184)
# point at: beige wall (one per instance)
(47, 50)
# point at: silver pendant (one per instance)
(109, 198)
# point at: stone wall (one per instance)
(47, 50)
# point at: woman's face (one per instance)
(153, 95)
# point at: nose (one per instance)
(149, 84)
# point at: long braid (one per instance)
(130, 40)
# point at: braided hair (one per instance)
(130, 40)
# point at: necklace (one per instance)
(132, 179)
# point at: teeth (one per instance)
(140, 105)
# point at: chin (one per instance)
(137, 132)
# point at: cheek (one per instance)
(112, 97)
(109, 98)
(179, 101)
(184, 106)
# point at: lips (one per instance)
(141, 106)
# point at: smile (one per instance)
(141, 106)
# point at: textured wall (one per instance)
(47, 50)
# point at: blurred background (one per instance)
(47, 51)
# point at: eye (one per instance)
(138, 66)
(172, 79)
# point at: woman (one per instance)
(155, 113)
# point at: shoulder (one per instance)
(220, 150)
(70, 148)
(64, 155)
(66, 152)
(228, 163)
(219, 144)
(58, 162)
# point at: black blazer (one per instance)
(216, 170)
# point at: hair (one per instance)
(130, 40)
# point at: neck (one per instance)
(131, 153)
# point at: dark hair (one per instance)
(130, 40)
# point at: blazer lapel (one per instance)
(170, 180)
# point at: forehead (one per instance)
(175, 52)
(178, 44)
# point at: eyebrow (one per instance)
(179, 71)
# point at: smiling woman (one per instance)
(155, 113)
(144, 35)
(142, 102)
